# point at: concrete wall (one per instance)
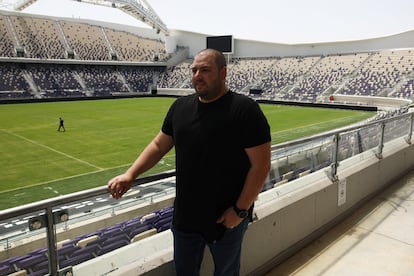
(251, 48)
(371, 100)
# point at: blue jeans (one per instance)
(189, 251)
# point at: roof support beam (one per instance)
(21, 5)
(139, 9)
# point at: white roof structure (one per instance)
(139, 9)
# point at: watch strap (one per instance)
(242, 213)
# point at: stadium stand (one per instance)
(386, 73)
(380, 73)
(131, 47)
(50, 39)
(246, 72)
(177, 76)
(6, 41)
(331, 74)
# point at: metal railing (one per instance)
(52, 216)
(367, 136)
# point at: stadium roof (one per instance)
(282, 21)
(139, 9)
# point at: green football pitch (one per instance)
(103, 137)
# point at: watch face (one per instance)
(242, 214)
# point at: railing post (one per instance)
(51, 240)
(410, 130)
(7, 244)
(378, 154)
(334, 165)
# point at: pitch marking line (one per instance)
(307, 126)
(52, 149)
(77, 175)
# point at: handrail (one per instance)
(50, 219)
(55, 201)
(334, 132)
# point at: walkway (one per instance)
(378, 239)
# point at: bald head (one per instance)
(218, 57)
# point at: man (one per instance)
(61, 124)
(222, 146)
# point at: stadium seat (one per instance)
(39, 272)
(112, 246)
(85, 241)
(77, 259)
(67, 250)
(87, 249)
(140, 229)
(31, 261)
(6, 270)
(144, 235)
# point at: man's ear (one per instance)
(223, 72)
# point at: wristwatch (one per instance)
(240, 212)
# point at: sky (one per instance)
(277, 21)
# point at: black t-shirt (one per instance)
(211, 163)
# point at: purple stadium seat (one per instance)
(112, 246)
(67, 249)
(43, 266)
(163, 221)
(115, 239)
(11, 261)
(98, 241)
(6, 270)
(87, 249)
(31, 261)
(163, 224)
(131, 225)
(111, 232)
(42, 272)
(77, 259)
(140, 229)
(38, 251)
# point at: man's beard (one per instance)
(207, 93)
(202, 93)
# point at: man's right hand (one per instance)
(119, 185)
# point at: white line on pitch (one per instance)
(52, 149)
